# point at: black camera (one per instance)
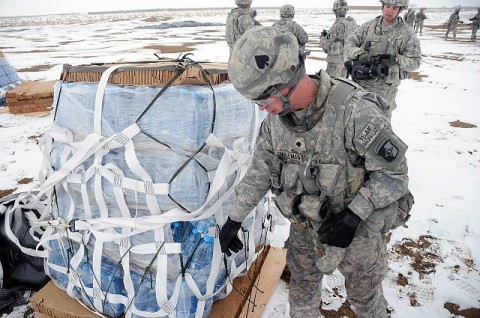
(359, 71)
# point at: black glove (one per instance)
(388, 59)
(228, 237)
(364, 58)
(460, 21)
(324, 33)
(341, 229)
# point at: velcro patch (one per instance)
(387, 149)
(368, 134)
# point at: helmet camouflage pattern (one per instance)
(287, 9)
(264, 57)
(397, 3)
(338, 4)
(243, 1)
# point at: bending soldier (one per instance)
(321, 139)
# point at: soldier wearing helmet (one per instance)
(239, 20)
(321, 139)
(332, 42)
(475, 24)
(452, 23)
(420, 17)
(388, 42)
(409, 16)
(287, 12)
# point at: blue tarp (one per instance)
(8, 79)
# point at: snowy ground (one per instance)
(434, 263)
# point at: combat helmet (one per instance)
(265, 60)
(338, 4)
(287, 10)
(244, 2)
(397, 3)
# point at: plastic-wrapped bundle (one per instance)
(8, 78)
(110, 173)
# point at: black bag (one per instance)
(19, 273)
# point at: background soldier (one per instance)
(385, 42)
(314, 122)
(475, 24)
(452, 22)
(332, 42)
(287, 12)
(409, 16)
(239, 20)
(419, 18)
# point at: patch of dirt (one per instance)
(343, 311)
(156, 19)
(4, 193)
(450, 56)
(25, 181)
(402, 280)
(461, 124)
(317, 58)
(423, 261)
(37, 68)
(185, 47)
(416, 76)
(467, 313)
(35, 137)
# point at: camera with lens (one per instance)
(372, 70)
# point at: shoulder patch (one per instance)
(387, 149)
(368, 134)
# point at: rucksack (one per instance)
(231, 28)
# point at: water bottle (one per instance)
(57, 256)
(184, 301)
(200, 270)
(145, 296)
(87, 282)
(189, 244)
(178, 231)
(203, 225)
(112, 283)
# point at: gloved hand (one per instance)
(388, 59)
(324, 33)
(364, 58)
(460, 21)
(228, 237)
(341, 229)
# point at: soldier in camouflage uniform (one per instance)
(409, 17)
(475, 24)
(329, 154)
(419, 18)
(452, 23)
(389, 37)
(239, 20)
(287, 12)
(332, 42)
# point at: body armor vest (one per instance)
(312, 174)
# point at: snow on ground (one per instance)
(434, 263)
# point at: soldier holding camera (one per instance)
(381, 52)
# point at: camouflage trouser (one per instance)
(336, 69)
(386, 91)
(474, 31)
(452, 28)
(364, 268)
(419, 27)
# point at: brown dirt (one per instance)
(423, 262)
(156, 19)
(461, 124)
(416, 76)
(185, 47)
(343, 311)
(25, 181)
(402, 280)
(4, 193)
(37, 68)
(467, 313)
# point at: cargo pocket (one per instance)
(289, 179)
(331, 179)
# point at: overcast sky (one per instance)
(39, 7)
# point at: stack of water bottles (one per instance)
(139, 193)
